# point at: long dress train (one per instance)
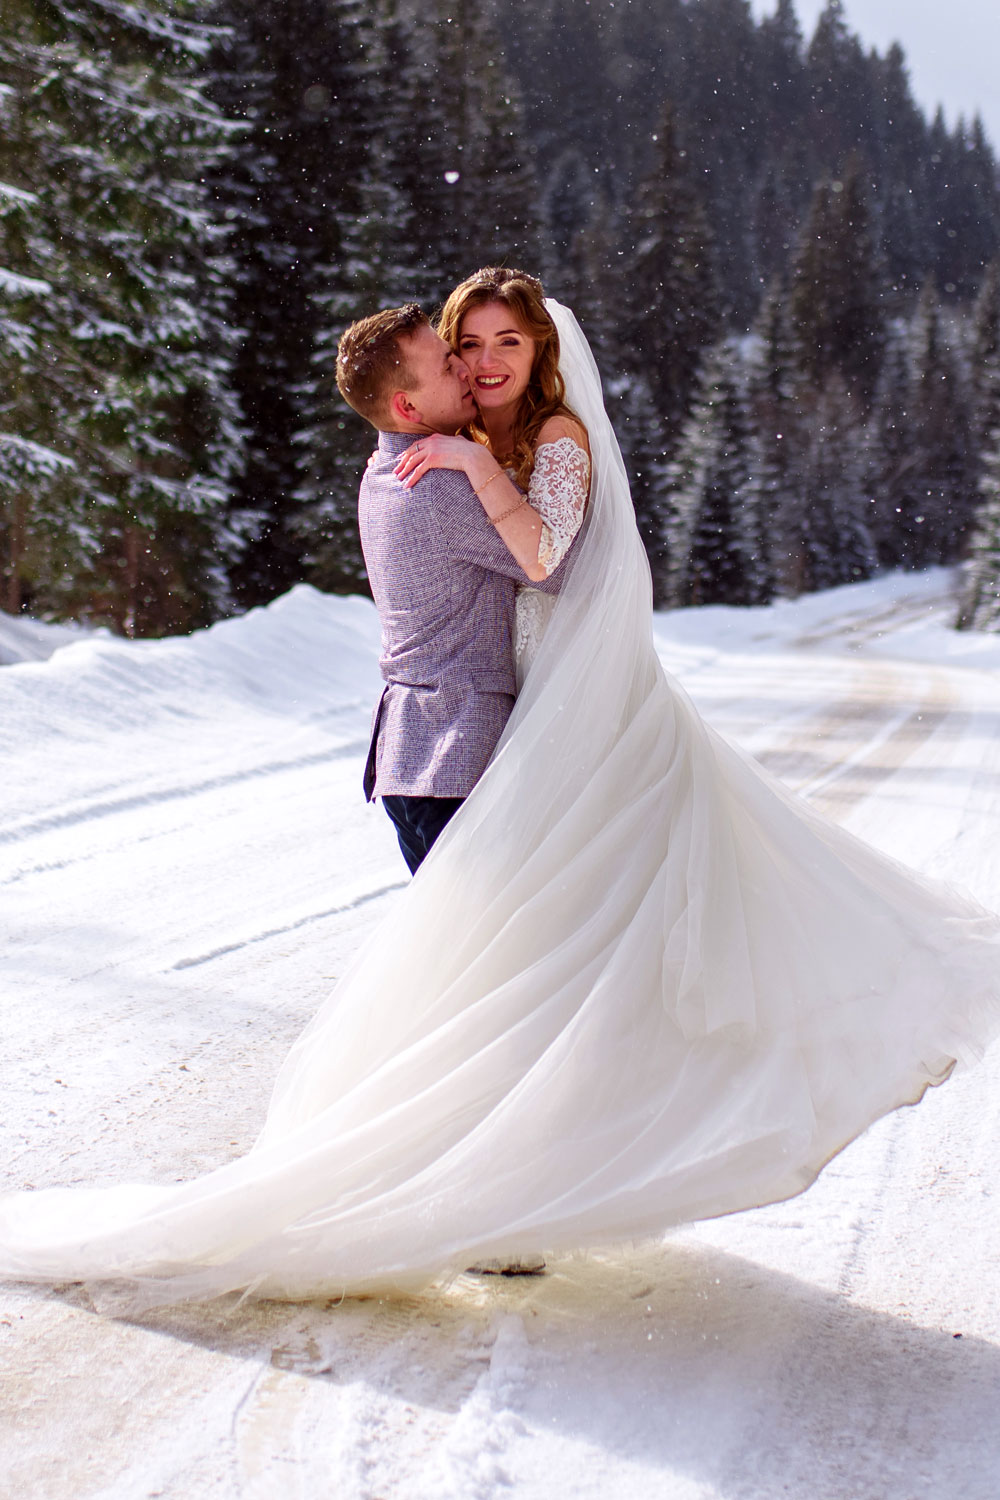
(636, 983)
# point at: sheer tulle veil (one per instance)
(635, 983)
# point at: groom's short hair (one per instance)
(371, 362)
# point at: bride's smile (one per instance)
(499, 356)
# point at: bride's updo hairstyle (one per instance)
(546, 393)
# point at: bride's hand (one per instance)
(440, 451)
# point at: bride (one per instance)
(635, 983)
(497, 323)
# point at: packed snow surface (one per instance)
(187, 864)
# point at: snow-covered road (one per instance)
(186, 864)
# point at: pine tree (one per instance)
(674, 310)
(639, 429)
(763, 118)
(592, 282)
(423, 219)
(985, 356)
(842, 115)
(940, 498)
(963, 198)
(979, 607)
(125, 375)
(775, 219)
(837, 298)
(460, 154)
(781, 63)
(568, 60)
(774, 415)
(901, 150)
(715, 535)
(43, 491)
(722, 109)
(890, 450)
(299, 79)
(834, 543)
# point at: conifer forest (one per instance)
(790, 275)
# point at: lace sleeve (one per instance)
(558, 489)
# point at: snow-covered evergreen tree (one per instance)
(940, 496)
(837, 294)
(333, 442)
(979, 606)
(962, 192)
(901, 133)
(382, 162)
(984, 357)
(125, 374)
(641, 433)
(889, 444)
(716, 545)
(774, 414)
(298, 77)
(458, 152)
(842, 117)
(834, 543)
(43, 492)
(674, 312)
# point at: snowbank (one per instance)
(24, 639)
(305, 651)
(905, 615)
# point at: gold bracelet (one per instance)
(495, 520)
(497, 475)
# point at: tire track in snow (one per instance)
(361, 899)
(854, 630)
(863, 739)
(56, 821)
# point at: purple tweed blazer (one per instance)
(445, 587)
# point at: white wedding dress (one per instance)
(636, 983)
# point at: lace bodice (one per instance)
(558, 489)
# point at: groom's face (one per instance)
(439, 398)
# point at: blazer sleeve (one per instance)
(467, 534)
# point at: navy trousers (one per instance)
(418, 821)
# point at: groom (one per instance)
(443, 581)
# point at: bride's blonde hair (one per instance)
(545, 396)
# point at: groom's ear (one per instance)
(403, 409)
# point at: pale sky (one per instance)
(952, 48)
